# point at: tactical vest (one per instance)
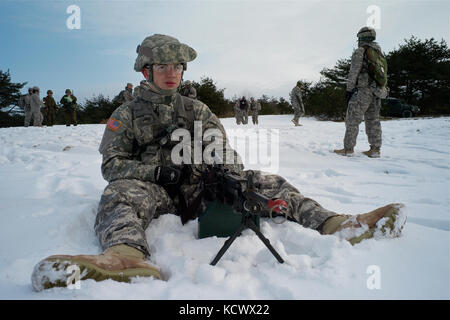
(152, 125)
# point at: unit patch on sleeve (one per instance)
(113, 124)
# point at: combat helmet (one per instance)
(366, 34)
(49, 91)
(36, 88)
(162, 49)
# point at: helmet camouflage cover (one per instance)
(366, 33)
(162, 49)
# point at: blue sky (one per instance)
(248, 47)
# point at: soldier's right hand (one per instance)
(165, 175)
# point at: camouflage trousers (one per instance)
(298, 112)
(70, 116)
(127, 207)
(255, 116)
(35, 115)
(363, 105)
(27, 116)
(50, 117)
(241, 118)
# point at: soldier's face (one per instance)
(168, 76)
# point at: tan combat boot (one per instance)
(384, 222)
(119, 263)
(374, 152)
(344, 152)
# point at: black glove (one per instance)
(165, 175)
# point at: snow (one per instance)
(51, 186)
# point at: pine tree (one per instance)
(9, 98)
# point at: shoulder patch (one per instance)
(113, 124)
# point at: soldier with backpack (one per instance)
(366, 86)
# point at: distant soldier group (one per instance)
(242, 108)
(44, 112)
(366, 86)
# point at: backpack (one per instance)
(377, 65)
(243, 104)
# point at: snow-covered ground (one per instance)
(51, 184)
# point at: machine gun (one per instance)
(240, 196)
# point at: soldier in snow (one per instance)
(36, 105)
(241, 111)
(297, 103)
(50, 109)
(255, 107)
(366, 86)
(144, 182)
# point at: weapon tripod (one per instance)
(247, 222)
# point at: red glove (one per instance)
(277, 205)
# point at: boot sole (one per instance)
(390, 226)
(53, 272)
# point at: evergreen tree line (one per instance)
(418, 73)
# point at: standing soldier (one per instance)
(241, 111)
(189, 90)
(125, 95)
(27, 107)
(142, 86)
(36, 104)
(69, 103)
(255, 107)
(366, 86)
(297, 103)
(50, 109)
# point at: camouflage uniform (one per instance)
(190, 92)
(36, 104)
(131, 154)
(365, 103)
(241, 114)
(142, 85)
(69, 103)
(255, 107)
(50, 110)
(124, 95)
(297, 103)
(27, 109)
